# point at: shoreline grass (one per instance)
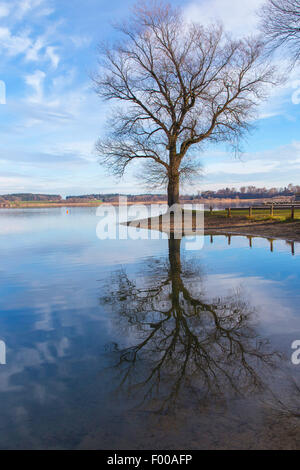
(261, 215)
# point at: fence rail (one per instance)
(271, 208)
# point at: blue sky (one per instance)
(52, 117)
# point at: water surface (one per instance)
(135, 344)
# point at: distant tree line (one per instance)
(22, 197)
(251, 192)
(115, 197)
(92, 197)
(245, 192)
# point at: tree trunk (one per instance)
(174, 255)
(173, 189)
(175, 272)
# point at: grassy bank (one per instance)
(261, 215)
(261, 223)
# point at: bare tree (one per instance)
(281, 25)
(179, 85)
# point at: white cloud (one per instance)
(39, 50)
(53, 104)
(286, 154)
(53, 56)
(13, 45)
(36, 81)
(8, 183)
(23, 7)
(33, 52)
(271, 168)
(241, 168)
(16, 38)
(80, 149)
(4, 10)
(81, 41)
(238, 16)
(45, 11)
(65, 80)
(265, 295)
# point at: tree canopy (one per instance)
(178, 85)
(281, 25)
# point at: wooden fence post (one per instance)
(272, 210)
(211, 210)
(250, 241)
(250, 211)
(293, 212)
(228, 212)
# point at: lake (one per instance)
(144, 344)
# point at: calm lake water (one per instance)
(134, 344)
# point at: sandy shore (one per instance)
(283, 231)
(289, 231)
(269, 229)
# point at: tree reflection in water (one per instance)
(180, 344)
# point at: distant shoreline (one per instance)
(37, 205)
(206, 202)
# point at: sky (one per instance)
(50, 117)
